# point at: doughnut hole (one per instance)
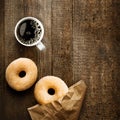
(51, 91)
(22, 74)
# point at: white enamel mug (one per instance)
(22, 32)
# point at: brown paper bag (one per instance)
(66, 108)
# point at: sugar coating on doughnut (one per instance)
(21, 74)
(49, 88)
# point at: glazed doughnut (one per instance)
(21, 74)
(49, 89)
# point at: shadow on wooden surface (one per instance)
(82, 38)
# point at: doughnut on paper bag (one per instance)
(66, 108)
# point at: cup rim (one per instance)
(31, 18)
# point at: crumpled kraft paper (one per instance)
(66, 108)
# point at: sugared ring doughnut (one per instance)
(21, 74)
(49, 89)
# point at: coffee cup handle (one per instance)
(40, 46)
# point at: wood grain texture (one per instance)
(1, 55)
(62, 40)
(95, 54)
(82, 39)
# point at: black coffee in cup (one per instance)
(29, 31)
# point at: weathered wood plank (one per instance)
(96, 58)
(45, 57)
(62, 40)
(2, 56)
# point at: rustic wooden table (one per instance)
(82, 39)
